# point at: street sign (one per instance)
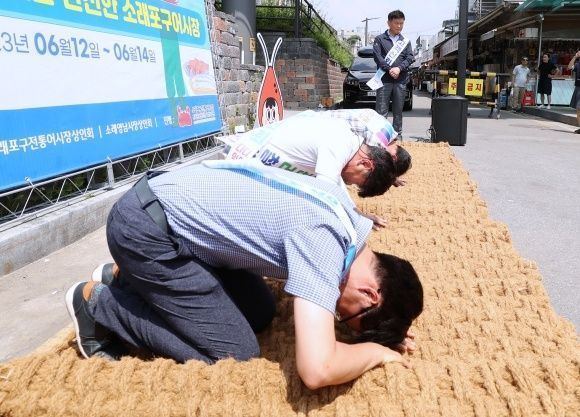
(473, 87)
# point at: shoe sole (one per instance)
(98, 274)
(68, 299)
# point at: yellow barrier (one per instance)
(473, 86)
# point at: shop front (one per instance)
(558, 36)
(560, 40)
(498, 42)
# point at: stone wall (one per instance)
(238, 84)
(308, 77)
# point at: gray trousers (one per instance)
(396, 93)
(172, 304)
(518, 97)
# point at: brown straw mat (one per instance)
(489, 342)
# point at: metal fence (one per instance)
(37, 199)
(491, 97)
(298, 16)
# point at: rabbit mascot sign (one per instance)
(270, 106)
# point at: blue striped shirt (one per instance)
(238, 220)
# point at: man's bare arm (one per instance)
(573, 60)
(321, 360)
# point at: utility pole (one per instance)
(366, 21)
(245, 14)
(462, 48)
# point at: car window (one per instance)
(363, 64)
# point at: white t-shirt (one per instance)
(520, 75)
(311, 144)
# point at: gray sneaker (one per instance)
(91, 336)
(113, 352)
(104, 273)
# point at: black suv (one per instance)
(355, 89)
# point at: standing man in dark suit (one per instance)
(394, 55)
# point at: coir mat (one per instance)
(490, 343)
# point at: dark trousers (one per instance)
(171, 303)
(396, 93)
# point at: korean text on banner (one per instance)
(473, 86)
(97, 80)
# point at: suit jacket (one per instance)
(381, 48)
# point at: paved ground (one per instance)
(527, 170)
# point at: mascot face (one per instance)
(270, 111)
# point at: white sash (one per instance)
(250, 143)
(396, 50)
(375, 83)
(255, 167)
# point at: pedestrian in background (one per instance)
(574, 65)
(521, 74)
(546, 70)
(394, 55)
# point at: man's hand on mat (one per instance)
(399, 183)
(408, 345)
(390, 355)
(378, 222)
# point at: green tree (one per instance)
(352, 40)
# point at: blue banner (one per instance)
(85, 81)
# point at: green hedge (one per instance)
(275, 19)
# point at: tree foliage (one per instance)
(352, 40)
(273, 18)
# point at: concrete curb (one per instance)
(30, 241)
(551, 115)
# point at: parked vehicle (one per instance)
(355, 89)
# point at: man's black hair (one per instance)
(396, 14)
(270, 102)
(403, 162)
(402, 295)
(383, 174)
